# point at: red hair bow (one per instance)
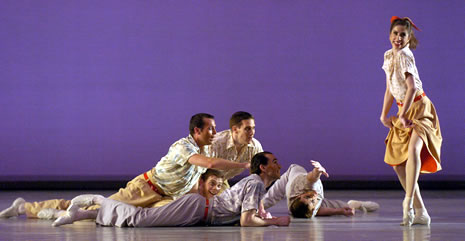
(394, 18)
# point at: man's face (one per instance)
(272, 169)
(212, 186)
(206, 134)
(244, 131)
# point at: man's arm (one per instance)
(346, 211)
(250, 219)
(315, 174)
(215, 163)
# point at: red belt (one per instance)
(154, 188)
(414, 100)
(206, 209)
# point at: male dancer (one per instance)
(305, 198)
(237, 204)
(210, 183)
(175, 174)
(236, 144)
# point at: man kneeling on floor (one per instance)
(305, 198)
(239, 204)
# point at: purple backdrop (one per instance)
(103, 88)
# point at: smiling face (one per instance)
(211, 186)
(205, 135)
(399, 37)
(244, 131)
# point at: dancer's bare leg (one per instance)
(412, 172)
(417, 200)
(413, 167)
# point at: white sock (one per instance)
(17, 208)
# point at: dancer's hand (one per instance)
(387, 121)
(318, 168)
(262, 213)
(282, 221)
(247, 165)
(347, 211)
(406, 123)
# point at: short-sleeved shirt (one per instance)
(242, 197)
(223, 147)
(395, 67)
(173, 173)
(291, 184)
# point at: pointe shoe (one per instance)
(365, 206)
(14, 210)
(422, 219)
(408, 215)
(85, 200)
(50, 213)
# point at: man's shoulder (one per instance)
(254, 178)
(256, 145)
(222, 137)
(188, 140)
(185, 144)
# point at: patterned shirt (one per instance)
(223, 147)
(173, 173)
(242, 197)
(396, 66)
(291, 184)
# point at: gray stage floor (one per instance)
(445, 207)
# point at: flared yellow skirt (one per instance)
(426, 125)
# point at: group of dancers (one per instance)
(189, 185)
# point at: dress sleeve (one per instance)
(385, 66)
(406, 64)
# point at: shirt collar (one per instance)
(191, 139)
(230, 141)
(256, 177)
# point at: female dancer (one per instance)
(414, 140)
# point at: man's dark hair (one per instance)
(299, 209)
(257, 160)
(238, 117)
(197, 121)
(212, 172)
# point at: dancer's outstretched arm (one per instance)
(250, 219)
(346, 211)
(315, 174)
(215, 163)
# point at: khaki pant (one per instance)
(137, 192)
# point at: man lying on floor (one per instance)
(238, 204)
(305, 198)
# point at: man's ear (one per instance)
(234, 128)
(262, 167)
(197, 130)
